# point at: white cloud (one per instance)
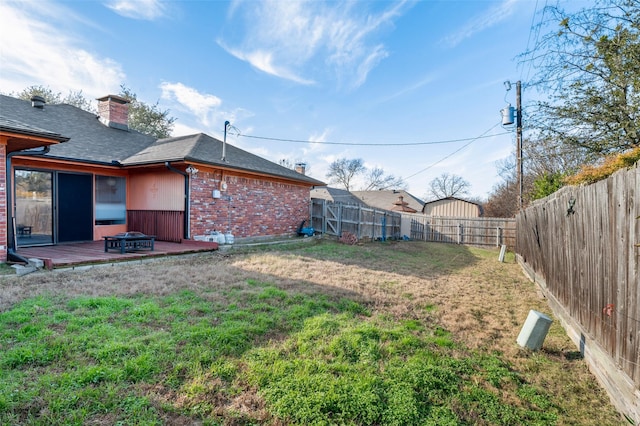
(202, 112)
(180, 129)
(33, 51)
(301, 41)
(201, 105)
(263, 61)
(480, 23)
(312, 149)
(148, 10)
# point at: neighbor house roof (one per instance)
(387, 199)
(442, 201)
(335, 194)
(452, 199)
(92, 142)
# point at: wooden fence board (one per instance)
(363, 222)
(582, 243)
(477, 231)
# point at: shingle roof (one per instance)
(18, 127)
(91, 141)
(386, 199)
(336, 195)
(204, 149)
(453, 198)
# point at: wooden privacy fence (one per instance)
(363, 222)
(476, 231)
(581, 245)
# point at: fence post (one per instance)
(498, 236)
(373, 225)
(324, 216)
(460, 232)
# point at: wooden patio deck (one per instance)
(76, 254)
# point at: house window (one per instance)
(111, 197)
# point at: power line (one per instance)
(535, 9)
(376, 144)
(537, 30)
(456, 151)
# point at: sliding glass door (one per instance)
(34, 207)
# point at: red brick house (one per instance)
(106, 178)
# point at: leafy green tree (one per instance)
(546, 184)
(75, 98)
(147, 119)
(588, 65)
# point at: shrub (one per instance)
(590, 174)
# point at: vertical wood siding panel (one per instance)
(162, 191)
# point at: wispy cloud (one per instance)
(263, 61)
(314, 148)
(147, 10)
(306, 41)
(207, 109)
(35, 52)
(489, 18)
(201, 105)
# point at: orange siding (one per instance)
(3, 200)
(100, 231)
(156, 191)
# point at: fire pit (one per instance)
(129, 241)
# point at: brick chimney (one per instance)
(114, 112)
(301, 168)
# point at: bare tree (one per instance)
(503, 199)
(293, 165)
(342, 171)
(588, 65)
(376, 179)
(448, 185)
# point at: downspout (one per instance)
(187, 198)
(11, 208)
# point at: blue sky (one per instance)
(370, 77)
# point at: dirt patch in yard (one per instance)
(466, 291)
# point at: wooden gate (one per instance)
(363, 222)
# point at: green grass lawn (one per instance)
(256, 353)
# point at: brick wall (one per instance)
(250, 207)
(3, 203)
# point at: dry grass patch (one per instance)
(459, 302)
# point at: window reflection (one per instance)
(34, 212)
(111, 197)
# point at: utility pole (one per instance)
(519, 143)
